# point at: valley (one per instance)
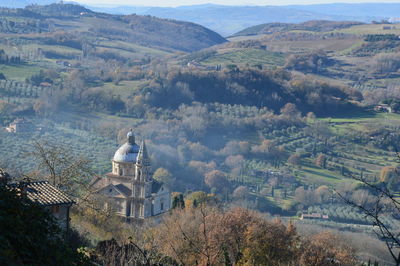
(295, 115)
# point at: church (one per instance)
(130, 186)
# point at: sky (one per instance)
(222, 2)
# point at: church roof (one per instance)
(124, 190)
(155, 186)
(128, 152)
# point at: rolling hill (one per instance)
(227, 20)
(78, 22)
(314, 25)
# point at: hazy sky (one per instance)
(223, 2)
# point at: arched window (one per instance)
(141, 210)
(138, 191)
(121, 172)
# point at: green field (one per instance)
(19, 72)
(124, 88)
(247, 56)
(371, 29)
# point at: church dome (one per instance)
(128, 152)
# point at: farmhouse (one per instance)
(312, 216)
(20, 125)
(130, 187)
(46, 195)
(384, 108)
(52, 199)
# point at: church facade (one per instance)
(130, 187)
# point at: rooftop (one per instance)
(46, 194)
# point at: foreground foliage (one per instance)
(30, 235)
(210, 236)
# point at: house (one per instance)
(52, 199)
(46, 195)
(130, 188)
(384, 108)
(63, 63)
(45, 84)
(20, 125)
(313, 216)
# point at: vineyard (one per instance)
(347, 215)
(15, 89)
(82, 143)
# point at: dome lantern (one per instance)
(131, 137)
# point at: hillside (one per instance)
(227, 20)
(77, 21)
(315, 25)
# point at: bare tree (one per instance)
(60, 166)
(383, 203)
(63, 169)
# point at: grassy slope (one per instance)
(19, 72)
(124, 88)
(246, 56)
(371, 29)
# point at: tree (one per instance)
(241, 192)
(217, 179)
(62, 169)
(322, 194)
(290, 111)
(304, 196)
(311, 117)
(110, 252)
(46, 105)
(326, 249)
(294, 159)
(178, 201)
(234, 161)
(390, 177)
(209, 236)
(321, 160)
(199, 198)
(381, 203)
(164, 176)
(270, 244)
(184, 236)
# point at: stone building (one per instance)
(48, 196)
(52, 199)
(20, 125)
(130, 186)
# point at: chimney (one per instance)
(4, 176)
(23, 187)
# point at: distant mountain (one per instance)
(366, 10)
(82, 23)
(227, 20)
